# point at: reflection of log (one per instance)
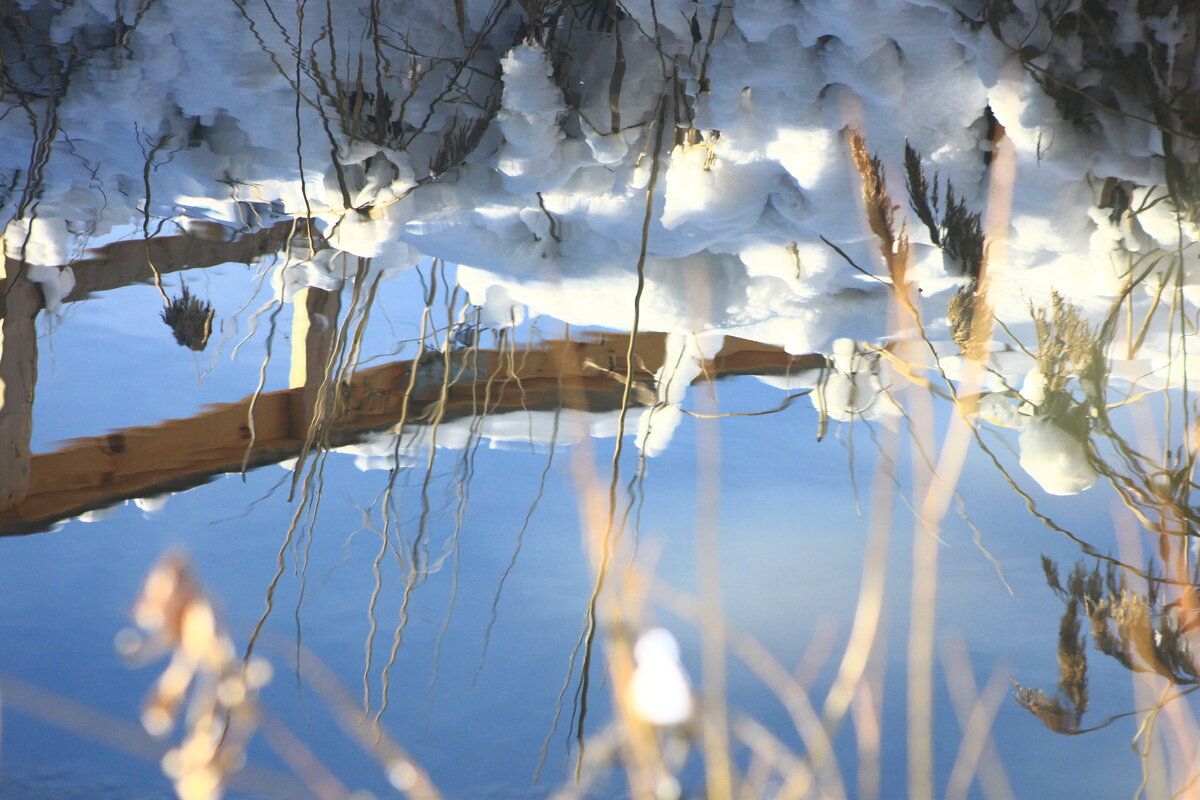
(19, 304)
(204, 245)
(179, 454)
(314, 329)
(110, 267)
(123, 263)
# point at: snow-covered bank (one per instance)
(523, 151)
(703, 147)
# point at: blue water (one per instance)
(791, 552)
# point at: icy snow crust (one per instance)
(525, 153)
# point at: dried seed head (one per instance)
(190, 320)
(176, 616)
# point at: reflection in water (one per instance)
(1139, 629)
(442, 398)
(717, 184)
(1140, 614)
(189, 319)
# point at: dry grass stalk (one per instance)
(952, 226)
(1138, 630)
(633, 743)
(175, 617)
(967, 309)
(881, 210)
(1066, 344)
(1067, 347)
(1064, 712)
(959, 233)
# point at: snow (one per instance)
(544, 209)
(659, 692)
(529, 120)
(56, 283)
(1055, 459)
(683, 362)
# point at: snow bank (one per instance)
(529, 152)
(531, 162)
(1055, 459)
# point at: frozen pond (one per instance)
(585, 399)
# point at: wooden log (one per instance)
(314, 332)
(19, 304)
(204, 245)
(178, 454)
